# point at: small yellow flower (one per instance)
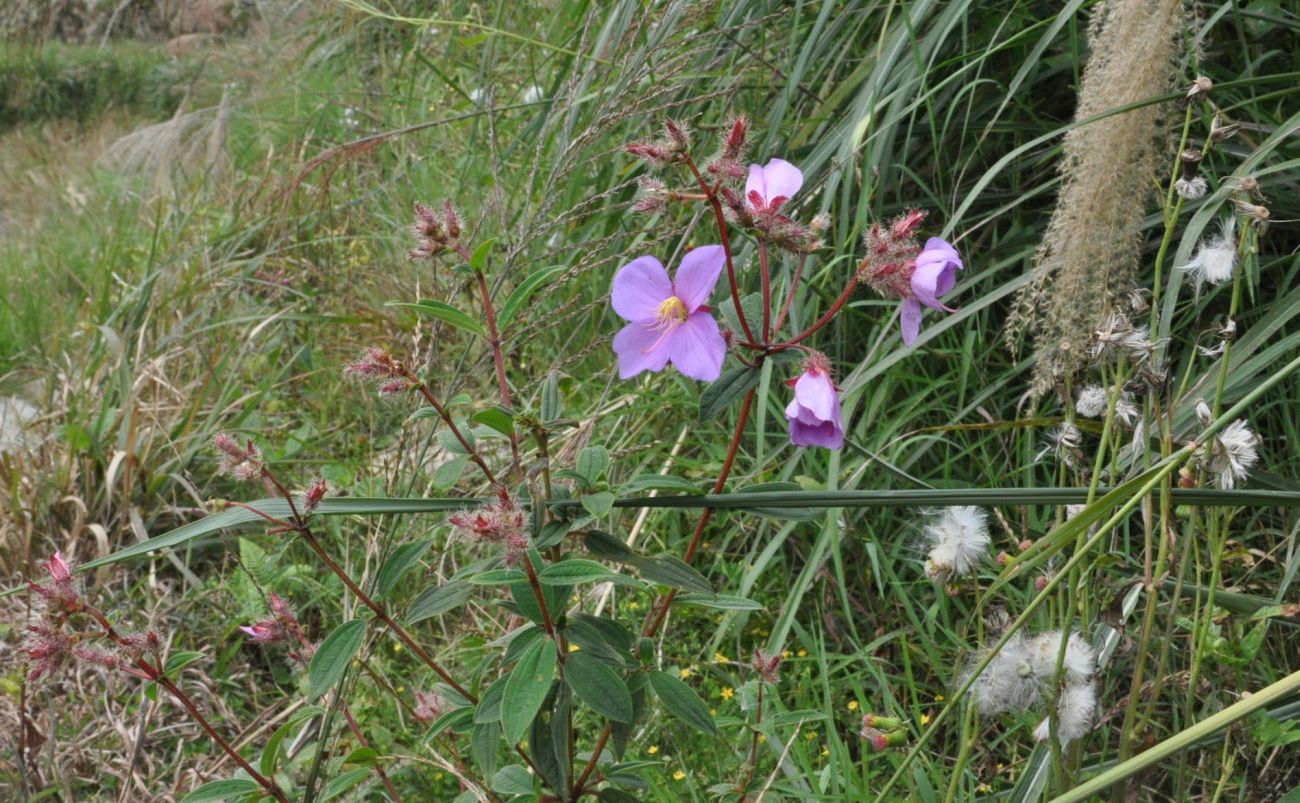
(397, 647)
(853, 705)
(728, 692)
(713, 712)
(633, 605)
(684, 673)
(437, 776)
(983, 788)
(925, 719)
(803, 653)
(719, 658)
(826, 750)
(810, 735)
(401, 689)
(938, 698)
(652, 749)
(762, 738)
(677, 776)
(785, 654)
(574, 648)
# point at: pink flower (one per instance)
(814, 413)
(60, 571)
(282, 627)
(934, 274)
(772, 185)
(669, 319)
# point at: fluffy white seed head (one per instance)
(1191, 189)
(1230, 455)
(1075, 710)
(1080, 659)
(1216, 257)
(1091, 402)
(1008, 683)
(959, 541)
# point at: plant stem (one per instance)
(721, 219)
(789, 297)
(424, 391)
(765, 273)
(830, 313)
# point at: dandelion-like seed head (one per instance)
(1200, 89)
(1063, 442)
(1192, 189)
(1009, 682)
(1091, 401)
(1229, 456)
(1215, 258)
(959, 541)
(1080, 660)
(1075, 710)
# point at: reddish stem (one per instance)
(726, 244)
(356, 731)
(830, 313)
(455, 430)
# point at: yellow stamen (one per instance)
(671, 311)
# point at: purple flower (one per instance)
(814, 413)
(935, 274)
(770, 186)
(669, 319)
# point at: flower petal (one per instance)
(909, 318)
(698, 275)
(780, 180)
(931, 280)
(815, 391)
(640, 287)
(756, 183)
(938, 250)
(639, 349)
(697, 348)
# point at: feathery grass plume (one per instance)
(1089, 254)
(959, 542)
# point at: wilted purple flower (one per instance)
(767, 666)
(242, 462)
(282, 627)
(669, 319)
(814, 412)
(429, 705)
(771, 185)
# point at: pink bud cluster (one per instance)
(434, 231)
(891, 255)
(243, 462)
(767, 666)
(501, 522)
(429, 705)
(673, 146)
(50, 644)
(379, 367)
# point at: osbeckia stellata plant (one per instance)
(669, 324)
(669, 320)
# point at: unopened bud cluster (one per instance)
(502, 522)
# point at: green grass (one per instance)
(227, 301)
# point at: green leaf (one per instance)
(398, 564)
(443, 312)
(526, 601)
(660, 482)
(489, 703)
(498, 577)
(451, 719)
(721, 602)
(515, 304)
(483, 744)
(598, 504)
(682, 701)
(179, 661)
(734, 383)
(479, 258)
(362, 755)
(593, 461)
(448, 474)
(551, 407)
(671, 571)
(226, 789)
(607, 546)
(438, 599)
(575, 570)
(512, 779)
(342, 783)
(333, 657)
(526, 689)
(598, 686)
(497, 418)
